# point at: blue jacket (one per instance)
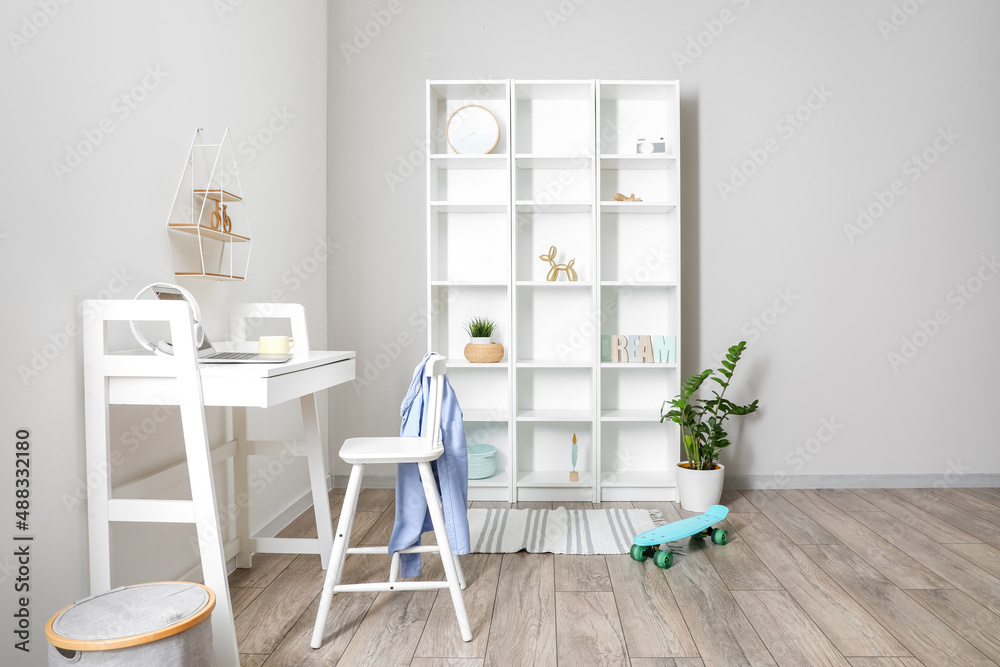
(451, 471)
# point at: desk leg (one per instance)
(244, 558)
(317, 477)
(98, 478)
(206, 517)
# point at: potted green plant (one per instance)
(702, 422)
(481, 348)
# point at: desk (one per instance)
(239, 386)
(130, 379)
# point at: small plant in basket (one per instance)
(481, 348)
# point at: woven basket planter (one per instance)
(479, 353)
(482, 461)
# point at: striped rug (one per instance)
(559, 531)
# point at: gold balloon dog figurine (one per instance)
(556, 268)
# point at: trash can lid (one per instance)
(130, 616)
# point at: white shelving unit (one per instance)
(208, 232)
(566, 148)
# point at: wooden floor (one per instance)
(856, 578)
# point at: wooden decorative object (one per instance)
(489, 353)
(556, 268)
(574, 476)
(221, 216)
(620, 197)
(645, 348)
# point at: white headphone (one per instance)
(163, 347)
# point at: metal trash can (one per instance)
(164, 623)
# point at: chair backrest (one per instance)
(183, 363)
(435, 369)
(178, 375)
(295, 312)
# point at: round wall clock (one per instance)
(473, 130)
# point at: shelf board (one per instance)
(529, 206)
(632, 283)
(552, 283)
(642, 91)
(554, 415)
(464, 363)
(208, 232)
(637, 207)
(542, 478)
(639, 161)
(646, 478)
(469, 89)
(466, 283)
(218, 195)
(555, 89)
(457, 161)
(500, 479)
(552, 363)
(630, 416)
(206, 274)
(469, 207)
(646, 365)
(485, 415)
(531, 161)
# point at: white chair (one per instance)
(254, 314)
(422, 450)
(125, 378)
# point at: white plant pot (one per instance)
(697, 490)
(485, 340)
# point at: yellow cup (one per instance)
(275, 344)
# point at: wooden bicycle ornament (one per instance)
(556, 268)
(221, 217)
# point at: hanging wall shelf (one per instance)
(207, 230)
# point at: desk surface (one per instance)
(256, 385)
(298, 362)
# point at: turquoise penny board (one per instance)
(645, 544)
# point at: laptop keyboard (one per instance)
(233, 355)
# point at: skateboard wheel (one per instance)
(663, 559)
(638, 552)
(720, 536)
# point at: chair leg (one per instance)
(458, 570)
(447, 557)
(394, 568)
(339, 554)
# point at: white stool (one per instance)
(423, 450)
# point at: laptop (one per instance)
(207, 354)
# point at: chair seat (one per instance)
(389, 450)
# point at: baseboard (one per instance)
(956, 480)
(989, 480)
(290, 513)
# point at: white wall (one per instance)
(99, 229)
(769, 260)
